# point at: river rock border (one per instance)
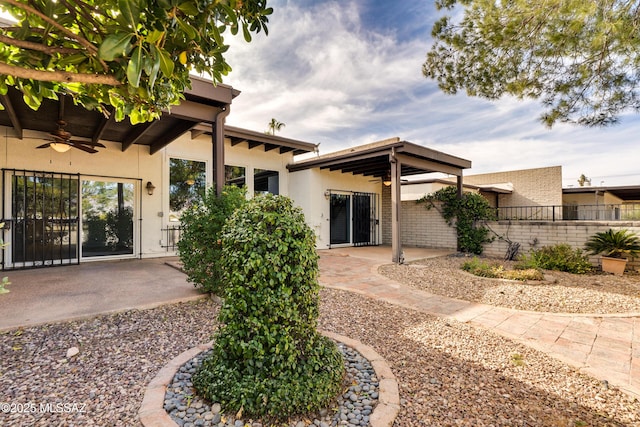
(152, 413)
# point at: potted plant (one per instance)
(615, 246)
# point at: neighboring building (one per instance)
(602, 203)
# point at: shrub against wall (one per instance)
(268, 359)
(199, 246)
(467, 214)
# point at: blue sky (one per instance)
(345, 73)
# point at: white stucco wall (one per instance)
(307, 189)
(138, 166)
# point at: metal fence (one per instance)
(602, 212)
(171, 237)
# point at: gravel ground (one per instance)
(450, 374)
(560, 292)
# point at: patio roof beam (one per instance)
(136, 134)
(97, 135)
(180, 128)
(427, 165)
(13, 117)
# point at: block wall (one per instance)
(535, 234)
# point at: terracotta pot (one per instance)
(614, 265)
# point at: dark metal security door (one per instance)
(353, 219)
(365, 224)
(42, 219)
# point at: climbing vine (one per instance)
(467, 213)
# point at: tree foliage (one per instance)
(581, 58)
(129, 56)
(467, 213)
(269, 359)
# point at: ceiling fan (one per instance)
(61, 139)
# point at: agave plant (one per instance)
(614, 244)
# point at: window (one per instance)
(266, 181)
(187, 184)
(235, 175)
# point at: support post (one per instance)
(459, 184)
(396, 240)
(217, 139)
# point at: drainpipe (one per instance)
(217, 138)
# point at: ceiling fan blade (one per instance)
(44, 145)
(88, 143)
(84, 148)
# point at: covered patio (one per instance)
(389, 160)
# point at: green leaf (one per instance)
(130, 12)
(76, 59)
(189, 31)
(134, 68)
(154, 36)
(246, 33)
(154, 68)
(189, 8)
(166, 63)
(115, 45)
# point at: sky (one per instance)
(346, 73)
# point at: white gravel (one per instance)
(450, 374)
(560, 292)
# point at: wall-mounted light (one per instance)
(327, 194)
(60, 147)
(150, 187)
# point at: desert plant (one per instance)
(614, 243)
(199, 245)
(497, 271)
(268, 359)
(560, 257)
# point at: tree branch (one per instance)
(58, 76)
(85, 43)
(49, 50)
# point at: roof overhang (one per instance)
(264, 141)
(375, 160)
(628, 192)
(202, 103)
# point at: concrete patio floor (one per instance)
(78, 291)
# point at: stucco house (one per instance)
(80, 187)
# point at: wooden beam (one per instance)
(269, 147)
(97, 135)
(396, 240)
(13, 117)
(168, 137)
(136, 133)
(197, 132)
(428, 165)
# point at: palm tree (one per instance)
(274, 126)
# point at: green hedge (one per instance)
(268, 359)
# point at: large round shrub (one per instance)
(199, 245)
(268, 359)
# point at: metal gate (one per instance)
(365, 223)
(41, 218)
(353, 218)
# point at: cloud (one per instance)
(350, 72)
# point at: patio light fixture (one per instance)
(150, 187)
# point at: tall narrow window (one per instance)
(266, 181)
(187, 185)
(235, 175)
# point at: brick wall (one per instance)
(531, 187)
(535, 234)
(419, 227)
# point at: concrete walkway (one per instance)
(606, 347)
(78, 291)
